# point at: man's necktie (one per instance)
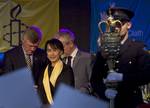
(28, 61)
(69, 60)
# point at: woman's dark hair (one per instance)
(55, 44)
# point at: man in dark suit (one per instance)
(27, 55)
(132, 67)
(80, 61)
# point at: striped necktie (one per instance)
(28, 61)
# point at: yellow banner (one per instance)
(16, 15)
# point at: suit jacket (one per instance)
(134, 63)
(82, 68)
(15, 59)
(65, 77)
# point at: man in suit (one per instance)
(27, 55)
(132, 67)
(80, 61)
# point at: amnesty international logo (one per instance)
(14, 28)
(17, 15)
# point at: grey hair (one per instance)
(33, 33)
(66, 33)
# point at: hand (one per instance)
(110, 93)
(114, 77)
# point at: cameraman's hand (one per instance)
(110, 93)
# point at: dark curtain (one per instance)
(75, 15)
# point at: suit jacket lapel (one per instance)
(35, 60)
(76, 59)
(21, 56)
(125, 47)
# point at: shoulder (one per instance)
(40, 51)
(41, 56)
(13, 50)
(136, 43)
(138, 47)
(84, 54)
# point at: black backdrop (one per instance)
(75, 15)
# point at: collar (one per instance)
(31, 56)
(25, 52)
(74, 53)
(124, 40)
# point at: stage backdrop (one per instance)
(16, 15)
(141, 21)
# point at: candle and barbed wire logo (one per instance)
(13, 36)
